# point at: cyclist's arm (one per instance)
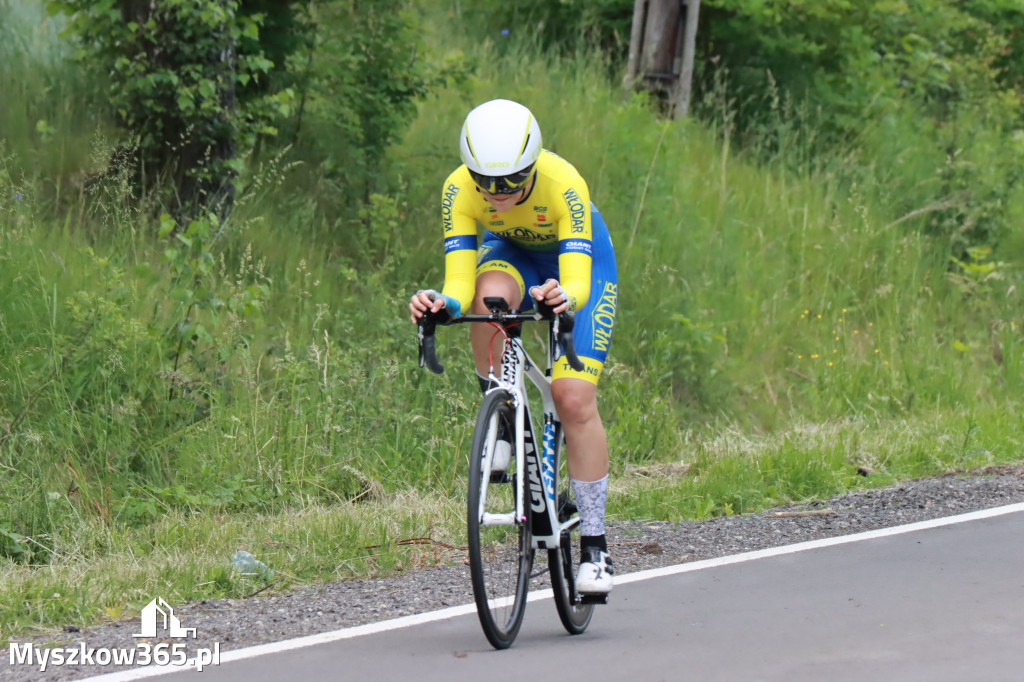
(460, 246)
(574, 244)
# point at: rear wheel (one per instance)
(500, 556)
(574, 614)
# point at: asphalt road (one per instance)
(936, 603)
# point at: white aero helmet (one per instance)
(500, 143)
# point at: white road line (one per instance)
(455, 611)
(818, 544)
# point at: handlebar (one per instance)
(561, 328)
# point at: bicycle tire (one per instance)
(562, 563)
(500, 565)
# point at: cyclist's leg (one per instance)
(503, 270)
(575, 395)
(587, 454)
(576, 402)
(486, 344)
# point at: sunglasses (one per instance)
(505, 184)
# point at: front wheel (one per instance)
(500, 556)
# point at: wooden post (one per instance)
(682, 103)
(636, 41)
(662, 45)
(661, 31)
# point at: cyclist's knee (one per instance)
(495, 283)
(575, 400)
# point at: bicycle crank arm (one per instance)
(508, 519)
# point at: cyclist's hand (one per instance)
(552, 294)
(423, 301)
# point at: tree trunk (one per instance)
(682, 98)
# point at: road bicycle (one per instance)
(515, 512)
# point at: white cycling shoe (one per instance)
(596, 574)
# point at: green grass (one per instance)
(732, 472)
(783, 323)
(99, 572)
(46, 120)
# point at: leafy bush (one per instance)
(176, 74)
(358, 79)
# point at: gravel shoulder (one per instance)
(635, 546)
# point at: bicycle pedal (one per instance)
(500, 477)
(593, 598)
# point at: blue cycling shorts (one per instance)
(592, 333)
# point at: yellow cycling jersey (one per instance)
(553, 217)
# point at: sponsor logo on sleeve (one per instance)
(459, 243)
(577, 211)
(583, 246)
(446, 206)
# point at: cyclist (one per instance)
(543, 240)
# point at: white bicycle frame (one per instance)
(516, 366)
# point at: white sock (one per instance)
(591, 498)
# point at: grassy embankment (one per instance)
(782, 323)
